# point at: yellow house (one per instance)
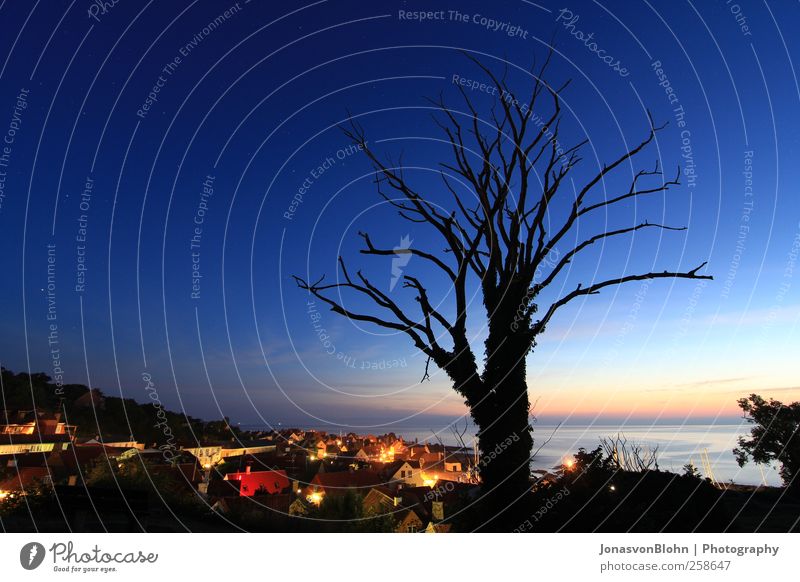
(408, 522)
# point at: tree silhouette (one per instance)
(775, 436)
(506, 239)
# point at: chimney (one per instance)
(247, 469)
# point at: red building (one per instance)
(260, 482)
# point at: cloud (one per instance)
(765, 316)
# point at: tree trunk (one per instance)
(505, 438)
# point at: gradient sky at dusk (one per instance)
(254, 103)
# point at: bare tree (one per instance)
(629, 456)
(505, 240)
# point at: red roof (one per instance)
(341, 481)
(24, 478)
(271, 482)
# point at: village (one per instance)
(266, 480)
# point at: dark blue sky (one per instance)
(150, 103)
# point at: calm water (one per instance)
(677, 445)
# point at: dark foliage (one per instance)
(116, 419)
(593, 495)
(774, 436)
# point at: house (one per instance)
(17, 443)
(425, 460)
(269, 512)
(260, 482)
(340, 483)
(218, 488)
(452, 466)
(358, 454)
(34, 422)
(438, 527)
(23, 480)
(22, 471)
(444, 471)
(440, 502)
(129, 444)
(400, 473)
(207, 456)
(379, 501)
(408, 521)
(211, 454)
(246, 448)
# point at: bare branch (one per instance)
(567, 257)
(371, 250)
(596, 287)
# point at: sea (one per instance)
(709, 447)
